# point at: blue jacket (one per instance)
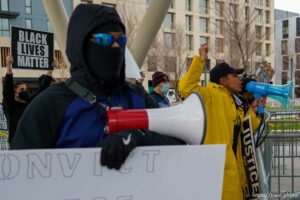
(59, 118)
(162, 101)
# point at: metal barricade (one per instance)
(281, 154)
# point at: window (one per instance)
(285, 63)
(297, 77)
(168, 40)
(219, 8)
(219, 45)
(267, 33)
(203, 6)
(169, 21)
(188, 23)
(148, 2)
(246, 13)
(297, 92)
(169, 64)
(267, 3)
(258, 14)
(28, 6)
(258, 32)
(258, 2)
(4, 5)
(298, 61)
(233, 11)
(284, 47)
(189, 42)
(258, 49)
(28, 23)
(219, 27)
(203, 23)
(4, 52)
(268, 50)
(285, 29)
(4, 27)
(298, 27)
(267, 17)
(188, 5)
(284, 78)
(152, 63)
(297, 45)
(203, 40)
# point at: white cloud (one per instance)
(288, 5)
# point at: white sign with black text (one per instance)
(190, 172)
(32, 49)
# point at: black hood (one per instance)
(85, 19)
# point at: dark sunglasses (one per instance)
(105, 39)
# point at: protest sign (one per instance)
(31, 49)
(160, 173)
(264, 72)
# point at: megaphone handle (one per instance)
(260, 108)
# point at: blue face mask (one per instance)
(165, 88)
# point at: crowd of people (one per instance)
(71, 114)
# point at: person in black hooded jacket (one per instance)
(16, 97)
(73, 114)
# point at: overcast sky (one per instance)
(289, 5)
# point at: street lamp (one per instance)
(291, 60)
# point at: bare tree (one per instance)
(131, 15)
(170, 53)
(242, 39)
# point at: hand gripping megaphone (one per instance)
(186, 121)
(281, 93)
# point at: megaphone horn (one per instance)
(186, 121)
(282, 93)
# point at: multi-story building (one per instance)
(287, 42)
(202, 21)
(27, 14)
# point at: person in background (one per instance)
(161, 86)
(16, 97)
(72, 114)
(224, 117)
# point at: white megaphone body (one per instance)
(186, 121)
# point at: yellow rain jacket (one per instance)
(221, 115)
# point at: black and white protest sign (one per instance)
(31, 49)
(190, 172)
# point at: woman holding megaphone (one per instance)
(224, 117)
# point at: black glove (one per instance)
(116, 147)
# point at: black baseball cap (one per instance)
(221, 70)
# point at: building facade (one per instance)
(287, 37)
(201, 21)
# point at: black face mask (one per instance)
(105, 63)
(24, 95)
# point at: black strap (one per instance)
(81, 91)
(236, 133)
